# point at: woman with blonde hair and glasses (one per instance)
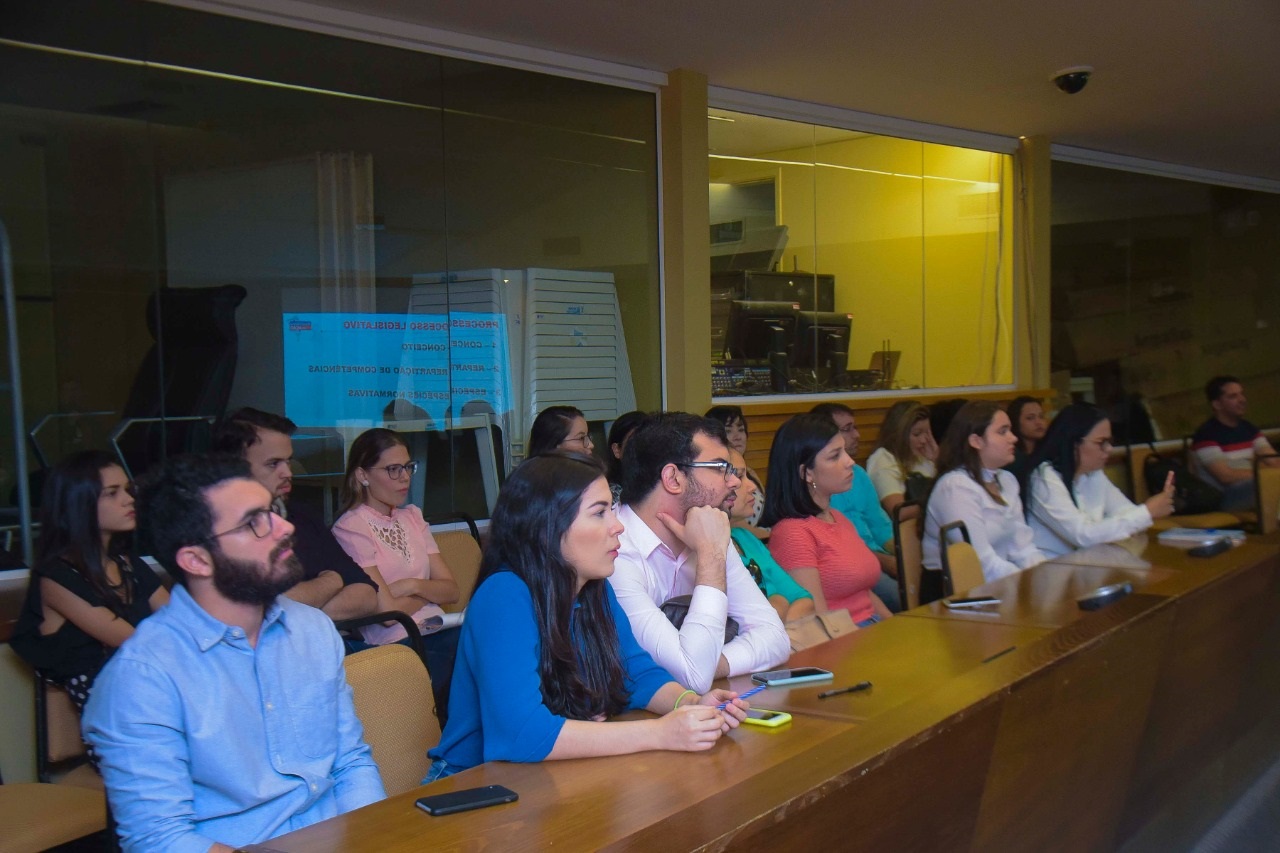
(905, 455)
(394, 546)
(1070, 502)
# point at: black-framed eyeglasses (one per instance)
(723, 467)
(260, 523)
(584, 440)
(395, 472)
(1103, 443)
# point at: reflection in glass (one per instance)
(889, 252)
(211, 213)
(1158, 285)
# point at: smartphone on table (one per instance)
(464, 801)
(766, 718)
(976, 601)
(785, 677)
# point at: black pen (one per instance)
(861, 685)
(998, 654)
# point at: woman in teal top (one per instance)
(546, 654)
(790, 599)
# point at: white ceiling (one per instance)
(1194, 83)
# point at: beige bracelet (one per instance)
(680, 698)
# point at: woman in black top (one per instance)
(85, 596)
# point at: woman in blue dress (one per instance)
(547, 656)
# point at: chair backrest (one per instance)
(462, 553)
(907, 548)
(60, 751)
(393, 701)
(1267, 482)
(36, 817)
(461, 550)
(1138, 454)
(961, 568)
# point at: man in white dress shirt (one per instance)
(677, 488)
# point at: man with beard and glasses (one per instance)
(331, 579)
(226, 719)
(677, 488)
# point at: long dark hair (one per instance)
(364, 453)
(1015, 416)
(69, 528)
(551, 427)
(535, 508)
(727, 415)
(797, 442)
(895, 432)
(627, 423)
(1060, 443)
(973, 418)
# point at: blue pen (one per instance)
(753, 691)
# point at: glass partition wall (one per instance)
(210, 213)
(1159, 284)
(846, 261)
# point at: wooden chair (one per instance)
(1266, 480)
(461, 550)
(37, 816)
(61, 755)
(961, 568)
(392, 693)
(907, 550)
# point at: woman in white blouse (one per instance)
(972, 488)
(906, 447)
(1070, 502)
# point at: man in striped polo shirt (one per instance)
(1226, 444)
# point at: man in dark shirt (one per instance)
(332, 580)
(1226, 444)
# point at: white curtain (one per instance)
(344, 195)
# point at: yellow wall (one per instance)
(858, 209)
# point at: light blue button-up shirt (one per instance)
(204, 738)
(861, 505)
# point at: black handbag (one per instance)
(1191, 495)
(675, 609)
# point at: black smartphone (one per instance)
(977, 601)
(1211, 549)
(465, 801)
(784, 677)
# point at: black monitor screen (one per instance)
(822, 337)
(757, 329)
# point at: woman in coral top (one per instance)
(816, 544)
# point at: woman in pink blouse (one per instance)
(816, 544)
(393, 544)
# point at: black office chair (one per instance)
(184, 382)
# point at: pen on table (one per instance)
(998, 654)
(856, 688)
(753, 691)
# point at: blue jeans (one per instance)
(870, 620)
(438, 770)
(886, 589)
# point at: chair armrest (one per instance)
(410, 627)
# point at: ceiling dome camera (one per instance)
(1072, 80)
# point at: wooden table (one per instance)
(619, 801)
(1043, 596)
(1138, 723)
(902, 658)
